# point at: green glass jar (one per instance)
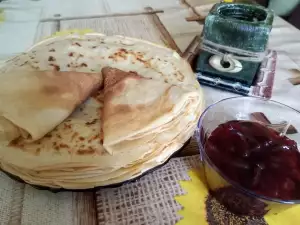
(245, 27)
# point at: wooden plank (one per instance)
(59, 18)
(47, 208)
(17, 204)
(191, 149)
(114, 6)
(174, 21)
(45, 29)
(137, 26)
(169, 41)
(193, 48)
(195, 18)
(199, 9)
(194, 3)
(11, 198)
(181, 31)
(184, 41)
(74, 8)
(69, 8)
(22, 204)
(85, 206)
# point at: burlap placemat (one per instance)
(149, 200)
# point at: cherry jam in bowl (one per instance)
(250, 152)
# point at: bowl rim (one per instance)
(211, 164)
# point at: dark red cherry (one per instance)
(256, 157)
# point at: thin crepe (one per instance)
(136, 107)
(72, 155)
(32, 103)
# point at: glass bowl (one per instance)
(278, 116)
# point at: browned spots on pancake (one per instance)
(112, 76)
(56, 67)
(92, 122)
(76, 43)
(62, 145)
(83, 65)
(16, 143)
(51, 43)
(123, 50)
(51, 59)
(94, 137)
(48, 135)
(71, 54)
(74, 136)
(88, 151)
(58, 136)
(52, 50)
(80, 55)
(146, 63)
(179, 76)
(68, 65)
(50, 89)
(94, 46)
(121, 53)
(38, 151)
(112, 80)
(81, 138)
(67, 126)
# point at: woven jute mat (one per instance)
(149, 200)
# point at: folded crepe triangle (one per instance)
(32, 103)
(135, 107)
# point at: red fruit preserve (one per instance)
(256, 157)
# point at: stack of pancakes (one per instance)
(121, 107)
